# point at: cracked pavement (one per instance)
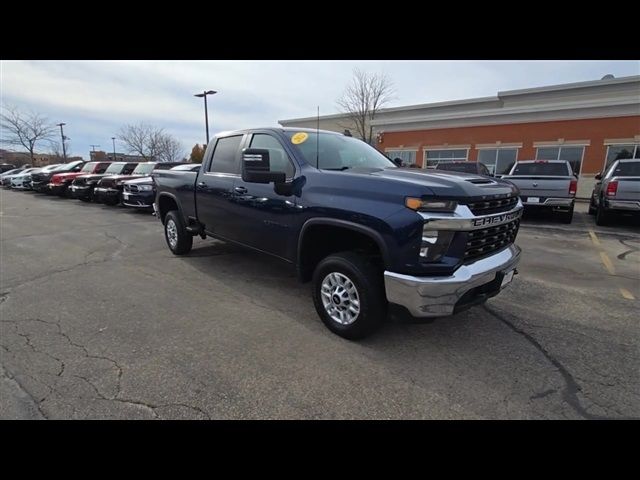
(100, 321)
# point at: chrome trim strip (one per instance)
(463, 219)
(633, 205)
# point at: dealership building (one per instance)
(589, 124)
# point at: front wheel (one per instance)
(349, 296)
(178, 238)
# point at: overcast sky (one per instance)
(95, 98)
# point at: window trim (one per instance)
(560, 146)
(277, 139)
(213, 152)
(635, 143)
(439, 149)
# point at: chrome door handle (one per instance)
(240, 190)
(202, 184)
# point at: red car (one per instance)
(60, 182)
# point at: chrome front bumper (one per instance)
(438, 296)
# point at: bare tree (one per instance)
(363, 98)
(150, 142)
(24, 129)
(56, 150)
(170, 149)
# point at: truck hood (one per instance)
(452, 185)
(117, 178)
(92, 176)
(140, 180)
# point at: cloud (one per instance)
(95, 98)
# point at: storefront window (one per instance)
(433, 157)
(573, 155)
(408, 157)
(498, 160)
(620, 152)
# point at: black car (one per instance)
(40, 180)
(5, 167)
(141, 192)
(464, 167)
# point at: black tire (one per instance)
(592, 207)
(184, 240)
(602, 216)
(567, 217)
(367, 278)
(87, 199)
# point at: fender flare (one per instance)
(172, 197)
(368, 231)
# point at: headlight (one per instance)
(435, 244)
(419, 204)
(145, 188)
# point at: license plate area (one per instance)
(507, 278)
(533, 200)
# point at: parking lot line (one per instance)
(594, 238)
(607, 263)
(627, 294)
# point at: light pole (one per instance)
(64, 150)
(94, 147)
(113, 139)
(206, 114)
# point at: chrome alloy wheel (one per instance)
(172, 233)
(340, 298)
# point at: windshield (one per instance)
(468, 167)
(144, 168)
(627, 169)
(115, 168)
(337, 152)
(541, 168)
(88, 167)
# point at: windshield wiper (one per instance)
(337, 169)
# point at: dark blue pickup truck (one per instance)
(367, 233)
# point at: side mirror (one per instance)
(397, 161)
(77, 169)
(256, 167)
(598, 176)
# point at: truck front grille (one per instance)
(79, 181)
(486, 241)
(493, 206)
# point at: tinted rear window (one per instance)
(470, 167)
(627, 169)
(541, 168)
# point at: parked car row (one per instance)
(103, 182)
(550, 186)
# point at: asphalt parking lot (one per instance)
(100, 320)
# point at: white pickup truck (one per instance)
(545, 185)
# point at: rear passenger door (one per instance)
(214, 187)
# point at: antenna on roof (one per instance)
(318, 139)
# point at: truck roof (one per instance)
(542, 161)
(275, 129)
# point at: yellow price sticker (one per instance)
(299, 138)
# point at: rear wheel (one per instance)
(602, 216)
(567, 217)
(178, 238)
(348, 293)
(592, 207)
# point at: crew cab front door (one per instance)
(264, 217)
